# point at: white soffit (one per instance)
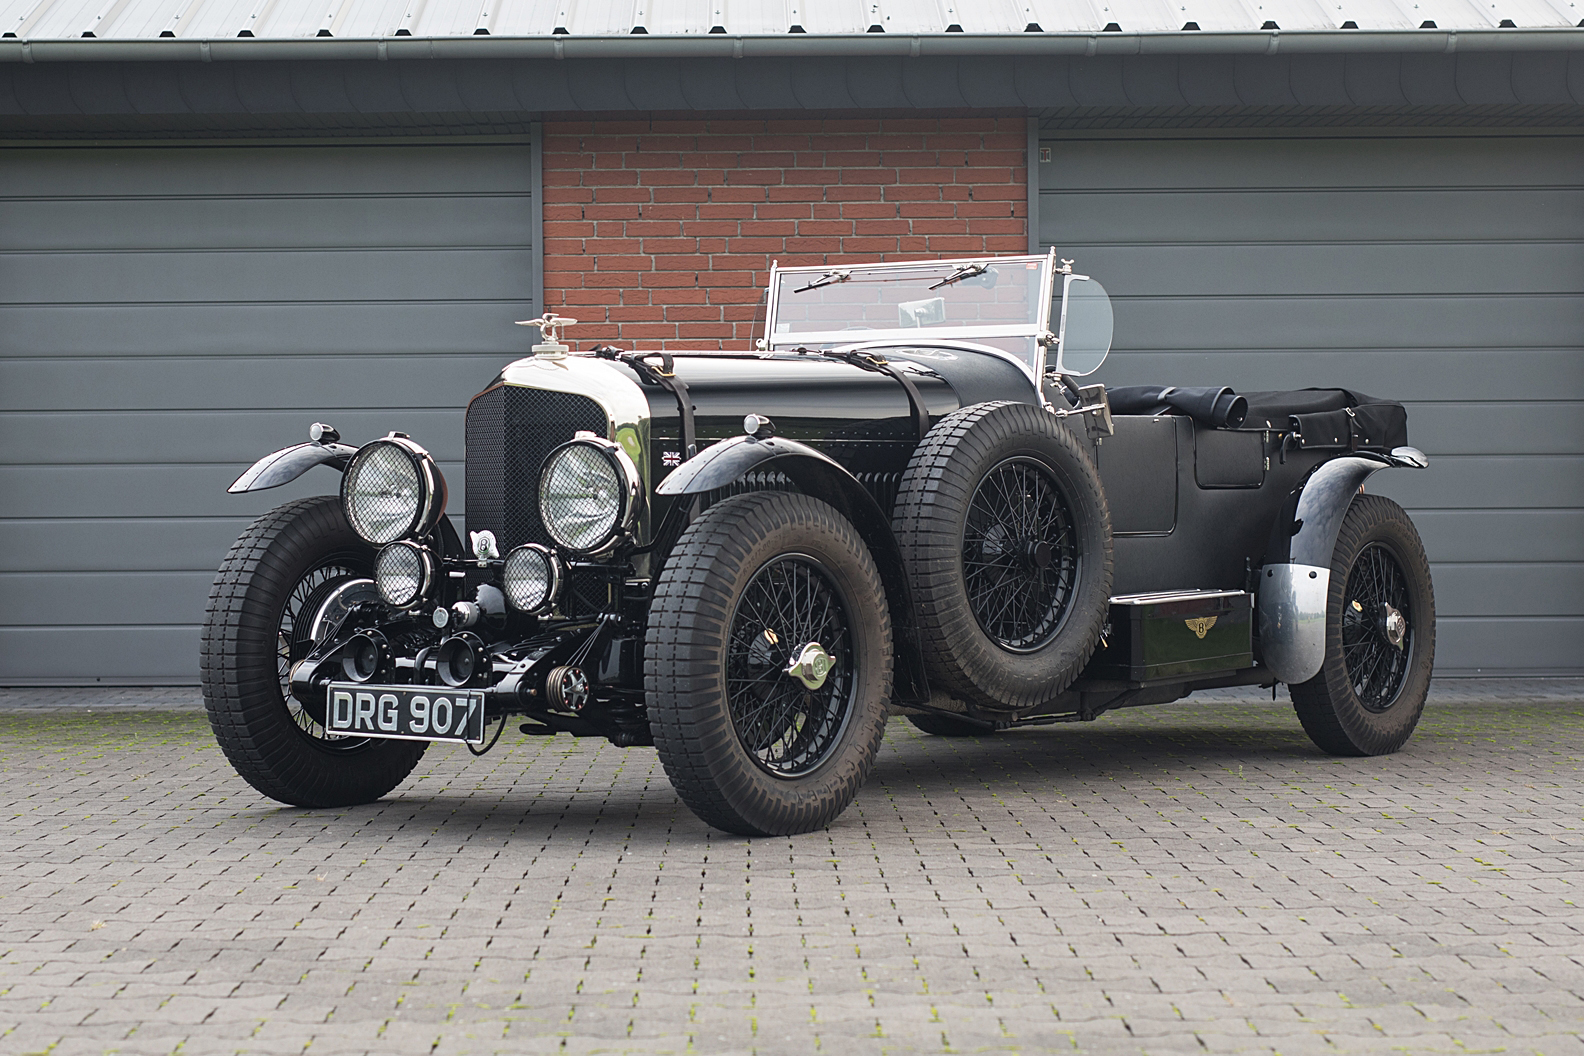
(60, 20)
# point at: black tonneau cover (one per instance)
(1220, 407)
(1313, 418)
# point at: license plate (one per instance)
(407, 713)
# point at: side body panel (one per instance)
(1177, 525)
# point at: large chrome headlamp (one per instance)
(392, 489)
(589, 494)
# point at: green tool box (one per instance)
(1151, 637)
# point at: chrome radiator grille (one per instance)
(510, 430)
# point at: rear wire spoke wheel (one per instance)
(1380, 636)
(1377, 628)
(768, 664)
(258, 624)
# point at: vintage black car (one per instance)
(901, 503)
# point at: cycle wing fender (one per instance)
(1296, 579)
(289, 463)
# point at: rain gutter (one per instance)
(791, 45)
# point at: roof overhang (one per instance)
(784, 46)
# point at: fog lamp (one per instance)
(404, 573)
(532, 577)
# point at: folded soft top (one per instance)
(1312, 417)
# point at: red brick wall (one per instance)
(660, 233)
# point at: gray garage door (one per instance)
(168, 314)
(1446, 271)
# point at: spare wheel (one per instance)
(1006, 537)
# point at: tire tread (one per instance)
(691, 609)
(238, 675)
(1326, 705)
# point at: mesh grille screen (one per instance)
(585, 593)
(510, 430)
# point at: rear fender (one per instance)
(289, 463)
(821, 476)
(1296, 579)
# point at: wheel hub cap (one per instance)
(811, 665)
(1395, 625)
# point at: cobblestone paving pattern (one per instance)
(1180, 879)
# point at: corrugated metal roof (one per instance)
(55, 20)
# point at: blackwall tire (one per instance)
(272, 573)
(1369, 693)
(748, 749)
(984, 458)
(945, 726)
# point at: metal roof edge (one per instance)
(695, 46)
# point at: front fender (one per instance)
(725, 463)
(1296, 580)
(821, 476)
(289, 463)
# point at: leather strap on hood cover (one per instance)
(881, 365)
(663, 375)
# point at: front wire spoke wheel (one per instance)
(792, 729)
(278, 577)
(767, 664)
(294, 641)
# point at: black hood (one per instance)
(816, 398)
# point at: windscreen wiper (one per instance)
(825, 280)
(967, 271)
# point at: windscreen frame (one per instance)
(1037, 329)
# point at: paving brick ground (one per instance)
(1179, 879)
